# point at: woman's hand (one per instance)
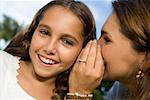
(88, 70)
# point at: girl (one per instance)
(40, 61)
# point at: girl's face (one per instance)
(56, 42)
(121, 60)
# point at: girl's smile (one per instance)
(47, 61)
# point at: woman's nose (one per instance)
(100, 41)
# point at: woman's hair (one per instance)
(134, 21)
(20, 46)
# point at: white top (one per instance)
(9, 88)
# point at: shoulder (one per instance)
(113, 92)
(7, 60)
(117, 91)
(8, 66)
(4, 54)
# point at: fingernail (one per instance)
(99, 46)
(95, 41)
(90, 42)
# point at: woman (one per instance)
(131, 37)
(46, 52)
(125, 50)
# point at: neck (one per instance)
(30, 81)
(47, 81)
(132, 85)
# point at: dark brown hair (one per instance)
(134, 20)
(20, 46)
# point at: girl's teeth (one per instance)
(47, 61)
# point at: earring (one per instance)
(140, 74)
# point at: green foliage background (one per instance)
(8, 28)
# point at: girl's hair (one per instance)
(134, 20)
(20, 46)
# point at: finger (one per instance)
(85, 51)
(99, 63)
(92, 55)
(75, 67)
(83, 56)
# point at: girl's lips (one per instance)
(47, 61)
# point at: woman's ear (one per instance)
(146, 64)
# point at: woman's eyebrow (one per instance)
(103, 32)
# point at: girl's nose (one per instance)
(51, 48)
(50, 52)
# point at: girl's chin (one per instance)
(42, 76)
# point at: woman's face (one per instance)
(56, 42)
(121, 60)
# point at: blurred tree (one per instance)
(101, 92)
(8, 28)
(97, 95)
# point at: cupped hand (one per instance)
(88, 70)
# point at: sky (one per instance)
(23, 11)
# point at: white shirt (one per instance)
(9, 87)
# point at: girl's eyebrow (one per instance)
(44, 25)
(72, 37)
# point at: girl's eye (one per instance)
(68, 42)
(44, 32)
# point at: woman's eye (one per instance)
(105, 36)
(106, 39)
(44, 32)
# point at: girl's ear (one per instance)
(146, 64)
